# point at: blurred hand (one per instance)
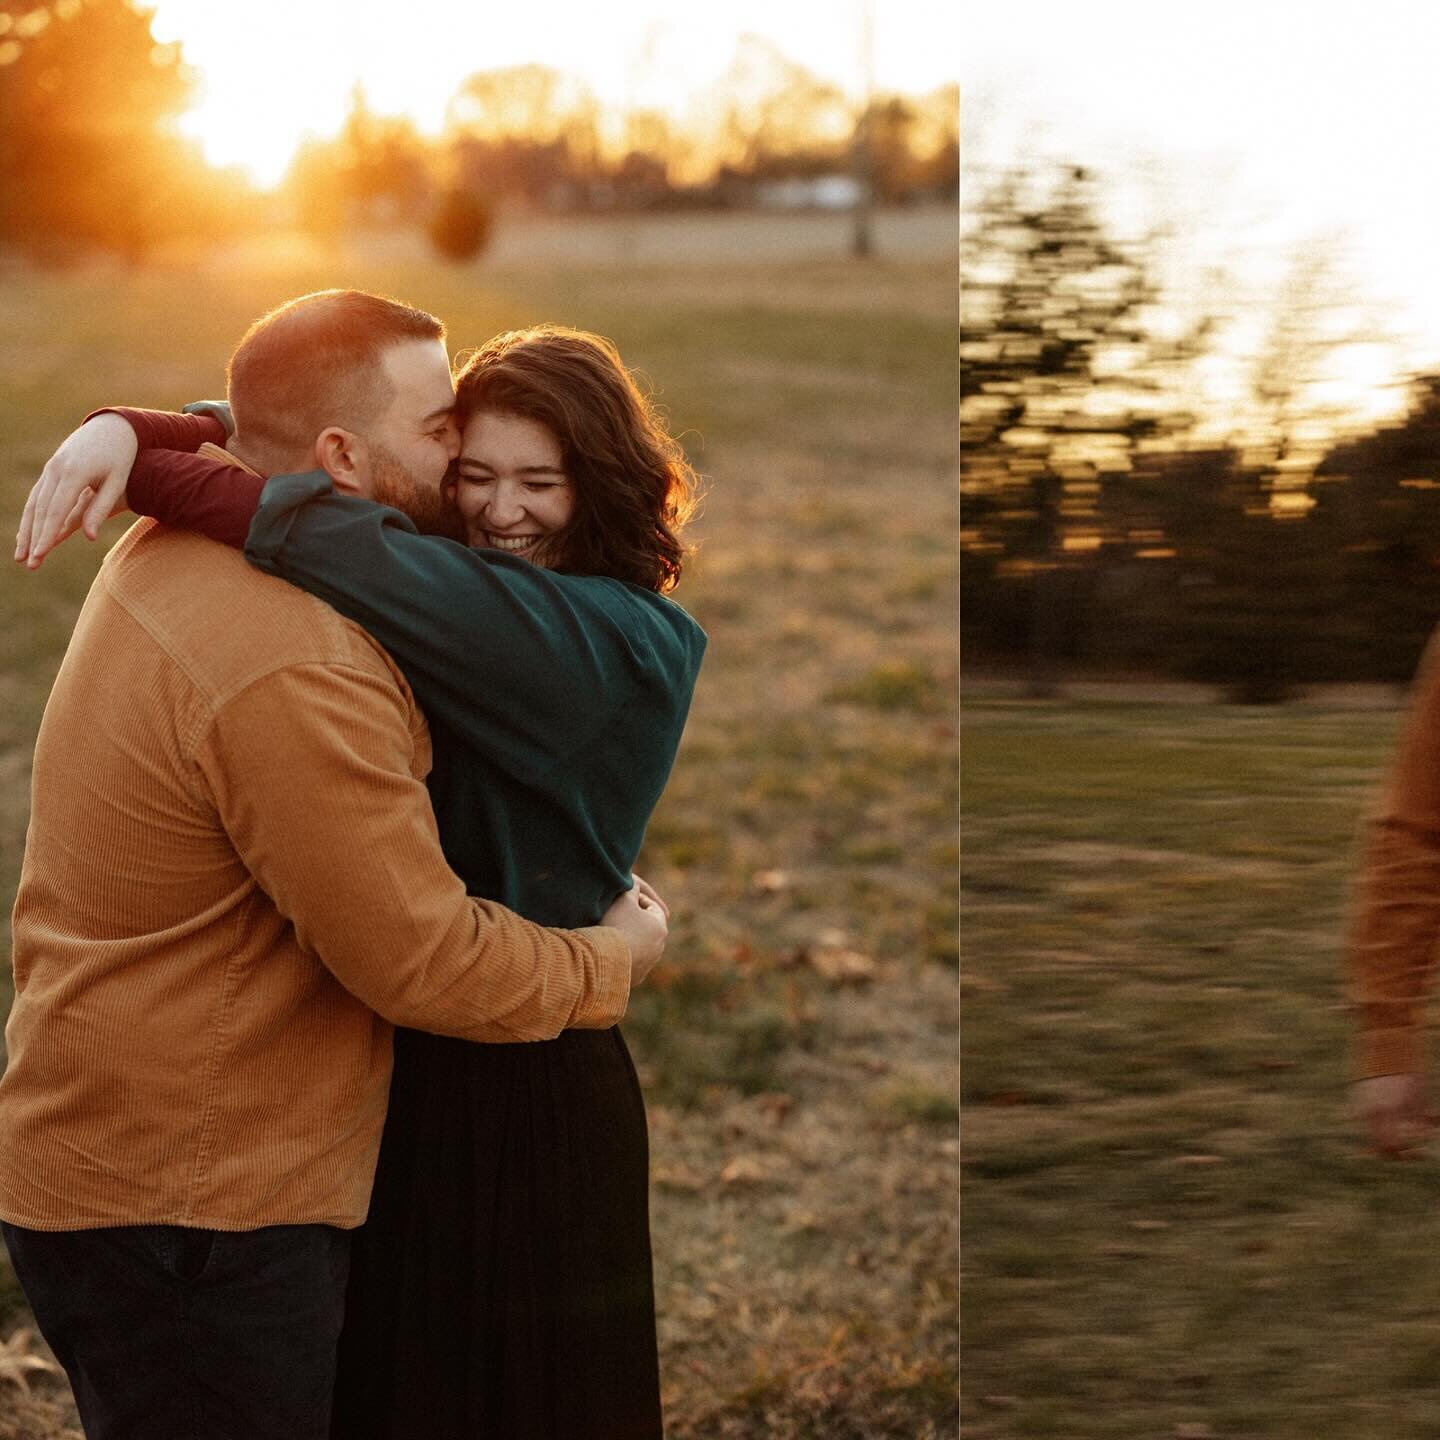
(642, 920)
(1395, 1113)
(82, 485)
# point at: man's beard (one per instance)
(392, 484)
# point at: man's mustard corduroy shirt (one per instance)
(232, 888)
(1395, 926)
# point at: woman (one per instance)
(502, 1285)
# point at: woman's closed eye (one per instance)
(534, 486)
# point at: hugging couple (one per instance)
(293, 794)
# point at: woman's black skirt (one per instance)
(502, 1288)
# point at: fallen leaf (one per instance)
(1007, 1097)
(842, 967)
(776, 1104)
(743, 1170)
(797, 1011)
(16, 1360)
(678, 1177)
(770, 882)
(663, 1120)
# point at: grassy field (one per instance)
(1171, 1227)
(799, 1049)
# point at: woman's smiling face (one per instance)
(510, 484)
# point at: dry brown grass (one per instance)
(1171, 1225)
(799, 1050)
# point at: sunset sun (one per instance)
(292, 70)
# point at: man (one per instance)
(232, 889)
(1395, 928)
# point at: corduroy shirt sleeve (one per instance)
(310, 767)
(1396, 920)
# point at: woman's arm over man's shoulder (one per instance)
(523, 663)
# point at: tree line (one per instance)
(90, 156)
(1105, 527)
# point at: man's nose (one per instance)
(452, 440)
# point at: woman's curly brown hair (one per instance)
(634, 489)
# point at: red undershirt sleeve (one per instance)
(172, 484)
(166, 430)
(194, 492)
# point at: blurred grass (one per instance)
(810, 1294)
(1169, 1218)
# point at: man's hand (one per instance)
(82, 484)
(1395, 1113)
(643, 918)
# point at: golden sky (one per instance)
(1252, 131)
(274, 70)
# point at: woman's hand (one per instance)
(82, 485)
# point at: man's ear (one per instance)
(341, 455)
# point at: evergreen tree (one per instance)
(88, 153)
(1060, 388)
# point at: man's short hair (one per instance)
(314, 362)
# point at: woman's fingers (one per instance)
(34, 509)
(22, 531)
(57, 509)
(64, 494)
(77, 513)
(109, 500)
(54, 499)
(94, 460)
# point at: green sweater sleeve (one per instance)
(521, 662)
(216, 409)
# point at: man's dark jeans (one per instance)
(169, 1333)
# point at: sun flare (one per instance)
(260, 143)
(291, 69)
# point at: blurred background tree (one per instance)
(526, 133)
(1377, 514)
(382, 166)
(1061, 387)
(460, 229)
(91, 158)
(88, 150)
(1102, 530)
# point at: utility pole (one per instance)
(863, 239)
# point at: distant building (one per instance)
(818, 192)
